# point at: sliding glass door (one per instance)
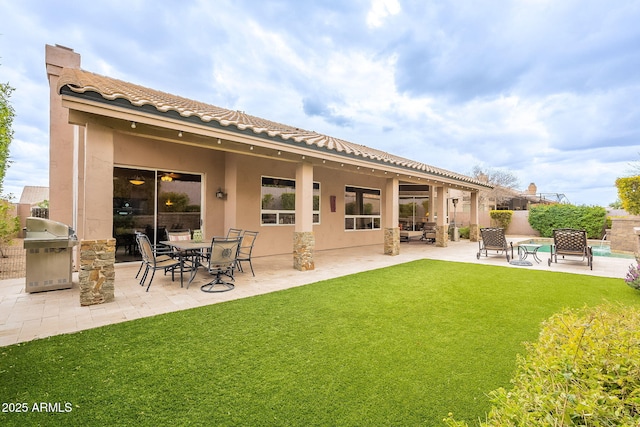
(151, 202)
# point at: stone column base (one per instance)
(304, 243)
(392, 241)
(442, 236)
(474, 233)
(97, 271)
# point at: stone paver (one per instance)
(25, 317)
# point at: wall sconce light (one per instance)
(133, 125)
(221, 194)
(180, 134)
(137, 180)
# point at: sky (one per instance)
(548, 91)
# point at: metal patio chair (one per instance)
(571, 242)
(221, 262)
(246, 248)
(153, 262)
(493, 239)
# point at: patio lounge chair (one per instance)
(493, 239)
(429, 232)
(571, 242)
(221, 262)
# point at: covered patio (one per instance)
(24, 316)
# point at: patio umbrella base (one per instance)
(217, 285)
(520, 262)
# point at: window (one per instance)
(278, 201)
(361, 208)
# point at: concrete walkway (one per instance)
(24, 317)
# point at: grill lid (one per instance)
(46, 229)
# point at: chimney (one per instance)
(61, 137)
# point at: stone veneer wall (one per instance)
(97, 271)
(474, 233)
(392, 241)
(442, 235)
(304, 243)
(623, 237)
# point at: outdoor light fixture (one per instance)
(137, 180)
(219, 142)
(221, 194)
(180, 134)
(133, 125)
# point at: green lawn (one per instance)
(400, 346)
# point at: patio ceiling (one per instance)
(89, 90)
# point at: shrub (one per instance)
(629, 192)
(545, 218)
(501, 218)
(463, 232)
(633, 275)
(583, 371)
(9, 224)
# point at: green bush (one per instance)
(463, 232)
(583, 371)
(501, 218)
(545, 218)
(629, 192)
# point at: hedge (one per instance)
(583, 371)
(501, 218)
(545, 218)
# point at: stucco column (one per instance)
(304, 239)
(98, 182)
(97, 245)
(392, 217)
(442, 228)
(474, 228)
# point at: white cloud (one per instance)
(381, 9)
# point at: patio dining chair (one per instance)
(176, 235)
(234, 233)
(221, 262)
(152, 262)
(246, 248)
(493, 239)
(162, 252)
(571, 242)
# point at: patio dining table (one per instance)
(191, 251)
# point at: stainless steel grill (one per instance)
(49, 246)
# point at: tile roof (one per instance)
(81, 82)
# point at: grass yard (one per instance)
(399, 346)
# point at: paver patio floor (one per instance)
(24, 316)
